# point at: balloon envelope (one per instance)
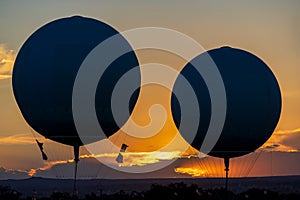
(45, 70)
(253, 102)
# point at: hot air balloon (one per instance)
(253, 102)
(45, 70)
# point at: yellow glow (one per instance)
(130, 159)
(4, 76)
(165, 155)
(7, 58)
(87, 156)
(284, 132)
(194, 172)
(17, 139)
(32, 172)
(144, 158)
(293, 150)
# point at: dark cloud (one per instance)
(12, 174)
(273, 146)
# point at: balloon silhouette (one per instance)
(253, 102)
(45, 71)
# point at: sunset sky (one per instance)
(269, 29)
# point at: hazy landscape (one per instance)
(41, 187)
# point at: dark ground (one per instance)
(41, 187)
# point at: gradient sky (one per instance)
(270, 29)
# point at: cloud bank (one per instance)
(284, 141)
(12, 174)
(25, 138)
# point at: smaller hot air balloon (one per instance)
(253, 102)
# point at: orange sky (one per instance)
(269, 30)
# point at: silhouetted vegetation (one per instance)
(174, 191)
(8, 193)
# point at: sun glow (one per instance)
(7, 58)
(194, 172)
(130, 159)
(293, 151)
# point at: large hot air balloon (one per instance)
(253, 102)
(45, 70)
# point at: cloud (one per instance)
(262, 163)
(90, 166)
(192, 171)
(12, 174)
(287, 132)
(144, 158)
(7, 59)
(284, 140)
(293, 141)
(50, 169)
(17, 139)
(187, 164)
(273, 146)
